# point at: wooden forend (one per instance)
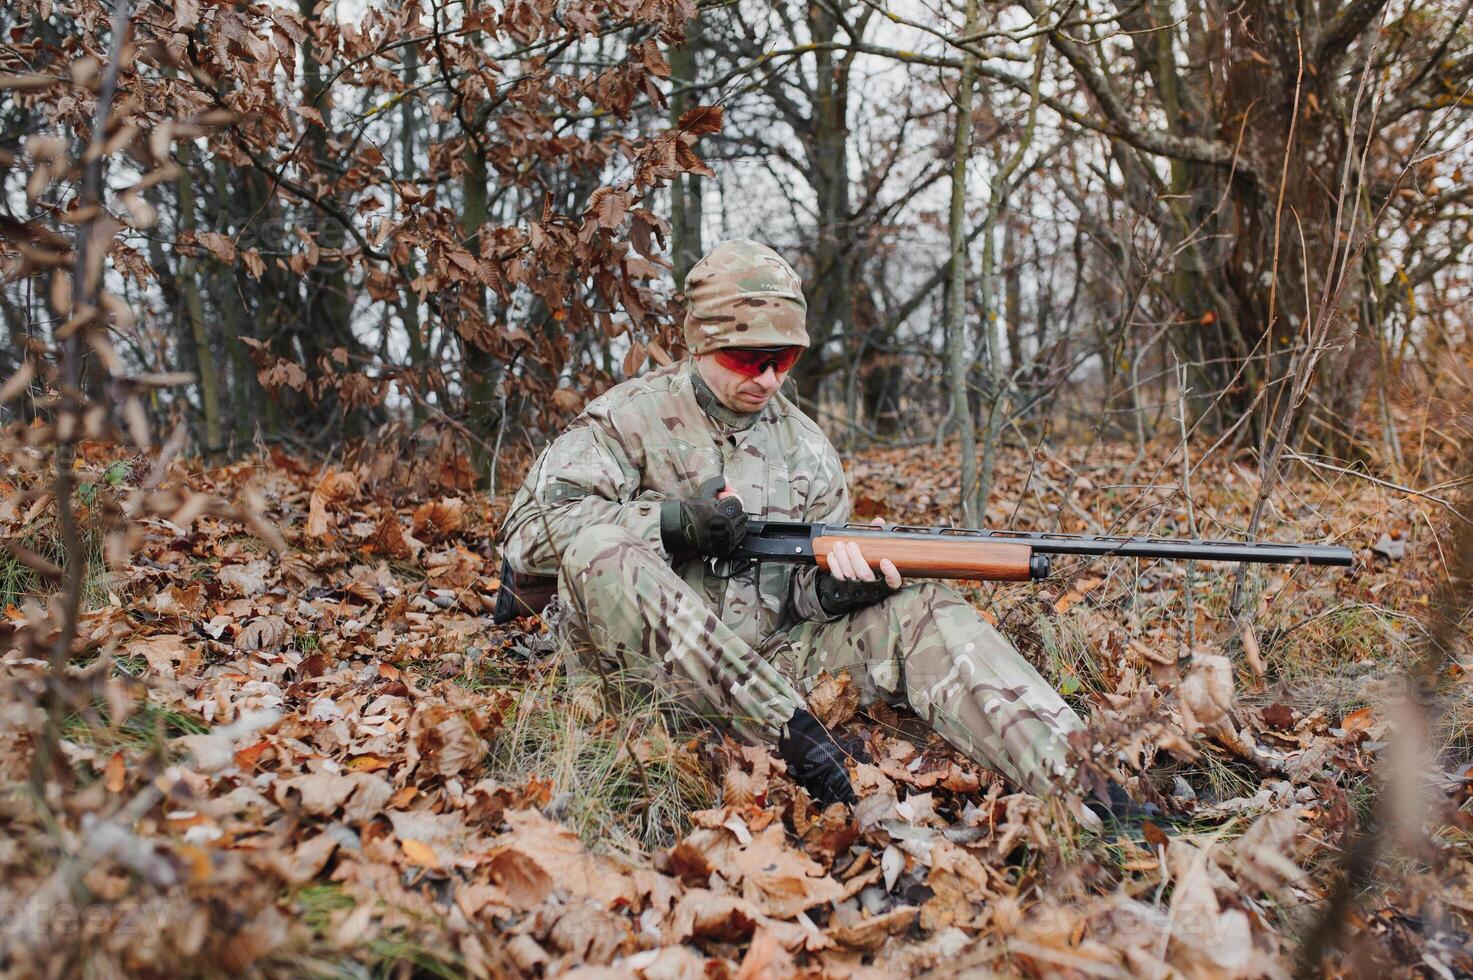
(977, 560)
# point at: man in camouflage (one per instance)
(614, 508)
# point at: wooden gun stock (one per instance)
(978, 560)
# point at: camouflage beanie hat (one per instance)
(743, 294)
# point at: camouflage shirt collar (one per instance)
(724, 417)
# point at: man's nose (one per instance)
(768, 378)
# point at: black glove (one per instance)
(838, 598)
(1118, 807)
(815, 760)
(705, 525)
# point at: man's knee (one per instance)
(596, 549)
(921, 604)
(928, 595)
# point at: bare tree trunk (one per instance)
(408, 119)
(208, 378)
(479, 367)
(325, 325)
(996, 381)
(830, 294)
(958, 362)
(1012, 278)
(686, 213)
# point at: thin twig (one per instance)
(69, 414)
(1409, 491)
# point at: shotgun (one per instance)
(1000, 555)
(946, 552)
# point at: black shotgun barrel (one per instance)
(791, 541)
(1185, 549)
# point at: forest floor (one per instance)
(329, 762)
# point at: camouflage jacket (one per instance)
(661, 436)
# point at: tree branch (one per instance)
(1347, 24)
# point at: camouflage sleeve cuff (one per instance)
(803, 597)
(641, 518)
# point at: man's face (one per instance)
(745, 378)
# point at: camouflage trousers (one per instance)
(924, 647)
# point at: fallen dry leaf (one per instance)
(777, 878)
(834, 700)
(538, 856)
(442, 741)
(247, 580)
(700, 914)
(334, 489)
(874, 931)
(436, 520)
(115, 774)
(420, 853)
(265, 633)
(1206, 693)
(1359, 720)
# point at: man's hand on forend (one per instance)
(704, 525)
(850, 582)
(815, 760)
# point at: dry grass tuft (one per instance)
(624, 780)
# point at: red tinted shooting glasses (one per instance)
(753, 362)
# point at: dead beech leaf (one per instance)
(115, 773)
(687, 862)
(248, 757)
(186, 15)
(701, 914)
(1206, 693)
(1357, 721)
(960, 780)
(1279, 716)
(702, 119)
(1265, 854)
(335, 488)
(442, 741)
(215, 750)
(221, 245)
(872, 932)
(777, 878)
(436, 520)
(834, 700)
(368, 763)
(766, 957)
(247, 580)
(369, 798)
(742, 789)
(1219, 940)
(1154, 835)
(321, 793)
(538, 856)
(265, 633)
(388, 538)
(1067, 600)
(162, 652)
(950, 902)
(420, 853)
(634, 360)
(299, 866)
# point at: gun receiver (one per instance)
(1001, 555)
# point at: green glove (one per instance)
(703, 525)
